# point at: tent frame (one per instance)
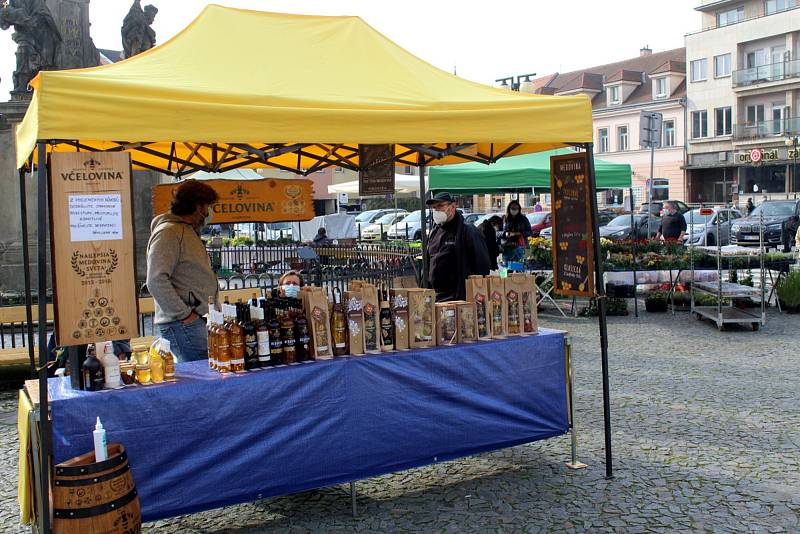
(232, 156)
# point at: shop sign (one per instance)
(376, 177)
(573, 249)
(757, 155)
(93, 253)
(243, 201)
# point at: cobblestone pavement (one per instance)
(706, 439)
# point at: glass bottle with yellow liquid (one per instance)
(156, 363)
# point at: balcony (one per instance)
(767, 129)
(772, 72)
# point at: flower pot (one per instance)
(655, 306)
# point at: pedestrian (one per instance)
(538, 205)
(673, 224)
(750, 206)
(516, 231)
(322, 239)
(456, 250)
(491, 228)
(179, 274)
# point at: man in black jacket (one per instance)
(489, 228)
(455, 250)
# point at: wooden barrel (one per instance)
(96, 497)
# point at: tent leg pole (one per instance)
(601, 310)
(573, 434)
(633, 246)
(353, 504)
(44, 419)
(26, 263)
(423, 221)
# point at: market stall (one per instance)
(172, 111)
(519, 174)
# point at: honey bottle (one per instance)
(339, 325)
(237, 339)
(223, 335)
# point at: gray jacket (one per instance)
(179, 274)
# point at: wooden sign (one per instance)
(93, 249)
(376, 177)
(240, 201)
(573, 250)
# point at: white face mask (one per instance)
(439, 217)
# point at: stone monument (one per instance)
(38, 41)
(137, 33)
(77, 48)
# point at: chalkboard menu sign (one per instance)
(376, 177)
(573, 250)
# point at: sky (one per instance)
(483, 40)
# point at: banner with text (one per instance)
(573, 250)
(242, 201)
(376, 177)
(93, 253)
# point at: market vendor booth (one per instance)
(191, 105)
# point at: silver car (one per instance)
(701, 230)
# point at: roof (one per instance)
(626, 70)
(111, 55)
(326, 84)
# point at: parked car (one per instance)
(702, 229)
(470, 218)
(366, 218)
(619, 228)
(658, 205)
(377, 230)
(485, 216)
(603, 218)
(781, 219)
(539, 221)
(409, 228)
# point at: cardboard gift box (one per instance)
(399, 301)
(498, 311)
(478, 293)
(315, 303)
(530, 318)
(467, 322)
(421, 318)
(446, 323)
(354, 311)
(369, 294)
(515, 286)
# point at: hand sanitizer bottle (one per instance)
(100, 443)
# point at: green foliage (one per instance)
(242, 241)
(613, 307)
(788, 289)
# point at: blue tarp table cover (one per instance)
(212, 440)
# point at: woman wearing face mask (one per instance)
(516, 230)
(289, 284)
(179, 274)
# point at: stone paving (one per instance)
(706, 439)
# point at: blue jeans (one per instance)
(188, 342)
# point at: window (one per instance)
(699, 124)
(622, 138)
(699, 70)
(756, 58)
(774, 6)
(779, 116)
(613, 93)
(668, 137)
(722, 66)
(732, 16)
(602, 139)
(661, 87)
(722, 121)
(338, 169)
(755, 114)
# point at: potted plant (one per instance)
(788, 291)
(656, 301)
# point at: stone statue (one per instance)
(37, 37)
(137, 35)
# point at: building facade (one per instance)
(743, 93)
(620, 92)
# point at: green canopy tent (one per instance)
(518, 174)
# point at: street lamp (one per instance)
(793, 142)
(515, 82)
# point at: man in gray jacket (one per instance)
(179, 274)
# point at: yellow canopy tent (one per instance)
(246, 88)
